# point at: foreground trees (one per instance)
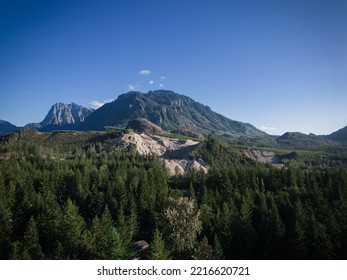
(97, 205)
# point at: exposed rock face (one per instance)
(63, 116)
(174, 152)
(143, 125)
(265, 157)
(66, 114)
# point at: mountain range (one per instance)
(171, 112)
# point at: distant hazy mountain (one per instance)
(339, 136)
(170, 111)
(62, 116)
(6, 127)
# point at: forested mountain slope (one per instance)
(339, 136)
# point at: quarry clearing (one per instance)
(175, 153)
(265, 157)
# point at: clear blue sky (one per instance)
(280, 65)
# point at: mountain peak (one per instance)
(63, 114)
(169, 110)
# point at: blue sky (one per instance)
(280, 65)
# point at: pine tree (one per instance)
(226, 217)
(217, 248)
(31, 242)
(49, 223)
(191, 194)
(102, 237)
(73, 231)
(122, 250)
(275, 231)
(5, 231)
(158, 249)
(244, 235)
(319, 246)
(126, 228)
(17, 251)
(298, 238)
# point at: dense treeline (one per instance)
(95, 205)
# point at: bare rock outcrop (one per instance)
(265, 157)
(174, 152)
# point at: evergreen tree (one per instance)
(127, 228)
(17, 251)
(298, 240)
(5, 231)
(72, 231)
(49, 223)
(319, 246)
(217, 248)
(225, 219)
(102, 237)
(275, 231)
(158, 249)
(31, 243)
(244, 235)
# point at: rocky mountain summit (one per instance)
(66, 114)
(63, 116)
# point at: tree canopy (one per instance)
(84, 203)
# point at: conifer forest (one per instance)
(79, 201)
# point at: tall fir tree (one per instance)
(158, 249)
(73, 231)
(102, 238)
(31, 242)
